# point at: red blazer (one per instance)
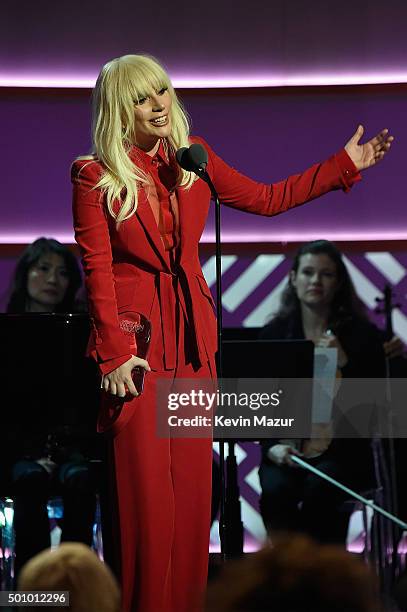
(129, 269)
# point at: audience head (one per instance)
(46, 279)
(295, 574)
(75, 568)
(320, 280)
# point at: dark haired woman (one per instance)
(319, 304)
(46, 280)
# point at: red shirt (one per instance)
(163, 170)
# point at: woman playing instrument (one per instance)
(320, 304)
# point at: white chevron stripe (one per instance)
(270, 305)
(387, 265)
(251, 278)
(253, 480)
(252, 523)
(214, 536)
(209, 268)
(365, 289)
(240, 454)
(252, 520)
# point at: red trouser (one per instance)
(164, 500)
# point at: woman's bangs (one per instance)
(149, 82)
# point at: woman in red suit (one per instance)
(138, 220)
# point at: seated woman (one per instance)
(46, 280)
(319, 304)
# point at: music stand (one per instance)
(244, 357)
(268, 358)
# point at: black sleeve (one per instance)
(276, 329)
(362, 343)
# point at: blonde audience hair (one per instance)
(75, 568)
(121, 83)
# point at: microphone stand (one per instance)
(230, 525)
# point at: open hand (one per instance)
(368, 154)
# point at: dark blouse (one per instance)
(362, 343)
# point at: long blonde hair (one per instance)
(120, 84)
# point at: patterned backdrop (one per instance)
(251, 290)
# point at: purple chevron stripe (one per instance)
(379, 280)
(400, 293)
(370, 271)
(263, 290)
(235, 271)
(401, 258)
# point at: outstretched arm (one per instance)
(340, 171)
(243, 193)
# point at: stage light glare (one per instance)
(207, 80)
(234, 237)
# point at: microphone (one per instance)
(193, 158)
